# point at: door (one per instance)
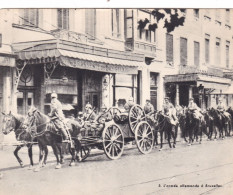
(94, 99)
(25, 99)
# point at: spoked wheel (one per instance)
(136, 115)
(113, 141)
(85, 151)
(144, 137)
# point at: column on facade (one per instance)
(106, 91)
(190, 91)
(145, 85)
(7, 91)
(177, 95)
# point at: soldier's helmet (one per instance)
(53, 95)
(191, 98)
(80, 114)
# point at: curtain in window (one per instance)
(183, 51)
(63, 18)
(207, 48)
(169, 48)
(196, 53)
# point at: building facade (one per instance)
(101, 56)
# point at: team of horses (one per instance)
(38, 127)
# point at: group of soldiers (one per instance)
(88, 119)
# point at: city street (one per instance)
(205, 168)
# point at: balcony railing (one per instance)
(211, 71)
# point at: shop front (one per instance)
(201, 87)
(78, 73)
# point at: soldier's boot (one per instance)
(64, 134)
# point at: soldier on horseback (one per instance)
(194, 109)
(222, 110)
(149, 110)
(57, 116)
(170, 112)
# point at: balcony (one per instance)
(147, 48)
(210, 71)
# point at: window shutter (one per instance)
(196, 53)
(169, 47)
(217, 52)
(59, 18)
(90, 22)
(183, 51)
(227, 56)
(207, 54)
(65, 18)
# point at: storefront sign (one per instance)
(98, 66)
(7, 61)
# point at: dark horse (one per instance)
(12, 122)
(165, 128)
(46, 133)
(221, 122)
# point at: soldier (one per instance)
(89, 119)
(149, 108)
(57, 116)
(129, 104)
(194, 109)
(170, 111)
(221, 108)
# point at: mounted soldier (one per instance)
(194, 109)
(170, 112)
(222, 109)
(57, 116)
(149, 110)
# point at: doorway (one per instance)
(25, 99)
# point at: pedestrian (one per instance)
(57, 116)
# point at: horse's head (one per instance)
(8, 123)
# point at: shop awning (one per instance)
(83, 60)
(211, 82)
(7, 59)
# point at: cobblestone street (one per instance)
(202, 169)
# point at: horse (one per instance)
(164, 126)
(209, 124)
(221, 122)
(46, 134)
(194, 127)
(181, 115)
(12, 122)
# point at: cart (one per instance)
(117, 131)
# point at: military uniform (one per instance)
(57, 116)
(221, 109)
(170, 112)
(149, 109)
(195, 109)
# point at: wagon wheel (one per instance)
(144, 137)
(85, 151)
(113, 141)
(136, 115)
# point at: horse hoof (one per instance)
(22, 165)
(72, 164)
(37, 169)
(62, 161)
(58, 166)
(160, 149)
(174, 146)
(189, 144)
(30, 167)
(43, 165)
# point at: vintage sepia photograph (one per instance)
(116, 101)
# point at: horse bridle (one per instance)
(6, 124)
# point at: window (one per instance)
(228, 16)
(196, 53)
(169, 48)
(90, 21)
(63, 18)
(196, 13)
(183, 51)
(31, 17)
(128, 23)
(227, 53)
(217, 52)
(0, 40)
(116, 23)
(124, 87)
(207, 49)
(148, 35)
